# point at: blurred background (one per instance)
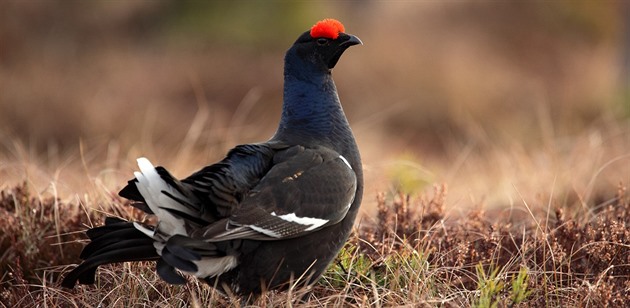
(504, 102)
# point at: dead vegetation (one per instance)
(412, 253)
(538, 261)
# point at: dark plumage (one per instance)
(266, 214)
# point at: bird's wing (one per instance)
(223, 185)
(209, 194)
(259, 191)
(305, 190)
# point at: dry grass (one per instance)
(478, 259)
(412, 253)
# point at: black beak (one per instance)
(351, 40)
(342, 43)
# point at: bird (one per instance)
(269, 214)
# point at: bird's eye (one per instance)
(322, 41)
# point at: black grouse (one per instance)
(268, 213)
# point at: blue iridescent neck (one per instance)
(311, 106)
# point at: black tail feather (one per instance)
(115, 230)
(168, 273)
(183, 252)
(86, 271)
(177, 261)
(191, 249)
(169, 179)
(112, 224)
(118, 241)
(132, 193)
(115, 246)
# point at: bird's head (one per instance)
(324, 44)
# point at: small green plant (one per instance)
(488, 285)
(520, 291)
(350, 266)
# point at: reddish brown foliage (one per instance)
(569, 261)
(592, 258)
